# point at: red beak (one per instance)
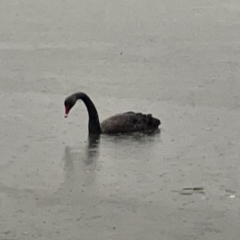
(66, 111)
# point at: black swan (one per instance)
(127, 122)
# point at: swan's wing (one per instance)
(129, 122)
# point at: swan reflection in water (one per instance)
(88, 159)
(85, 163)
(91, 153)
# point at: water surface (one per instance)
(178, 61)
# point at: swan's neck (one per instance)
(93, 123)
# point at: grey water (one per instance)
(179, 60)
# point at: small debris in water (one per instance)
(190, 191)
(230, 193)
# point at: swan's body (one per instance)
(129, 122)
(120, 123)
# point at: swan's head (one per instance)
(69, 103)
